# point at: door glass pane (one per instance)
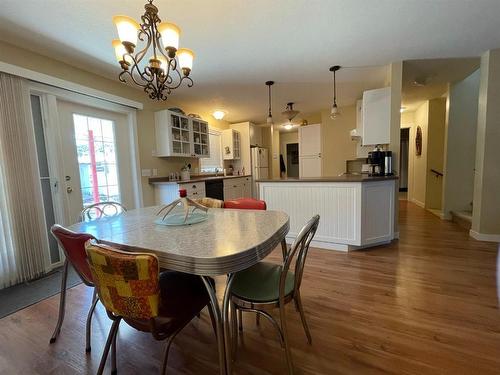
(96, 149)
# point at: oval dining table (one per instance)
(228, 241)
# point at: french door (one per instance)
(96, 157)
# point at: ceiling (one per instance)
(429, 78)
(240, 44)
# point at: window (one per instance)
(96, 149)
(215, 159)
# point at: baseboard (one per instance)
(484, 236)
(396, 235)
(417, 202)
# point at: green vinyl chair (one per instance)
(266, 286)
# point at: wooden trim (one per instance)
(484, 236)
(67, 85)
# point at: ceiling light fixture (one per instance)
(269, 119)
(168, 64)
(289, 113)
(335, 112)
(219, 114)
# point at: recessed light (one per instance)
(219, 114)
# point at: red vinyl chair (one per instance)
(73, 245)
(246, 204)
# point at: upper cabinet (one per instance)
(231, 144)
(179, 135)
(375, 117)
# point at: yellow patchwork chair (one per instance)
(210, 202)
(131, 288)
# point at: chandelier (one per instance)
(168, 65)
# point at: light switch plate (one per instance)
(155, 172)
(146, 172)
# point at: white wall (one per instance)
(460, 145)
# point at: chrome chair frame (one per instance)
(100, 207)
(62, 302)
(300, 247)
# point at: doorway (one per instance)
(403, 162)
(97, 163)
(292, 159)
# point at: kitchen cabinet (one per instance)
(231, 144)
(310, 164)
(247, 187)
(194, 189)
(166, 193)
(179, 135)
(376, 117)
(235, 188)
(255, 135)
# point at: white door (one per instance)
(96, 156)
(310, 151)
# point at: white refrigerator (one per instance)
(260, 168)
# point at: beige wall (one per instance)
(145, 118)
(460, 145)
(337, 145)
(435, 153)
(486, 211)
(418, 164)
(424, 188)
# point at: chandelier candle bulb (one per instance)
(120, 51)
(127, 31)
(170, 34)
(186, 57)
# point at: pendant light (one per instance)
(335, 112)
(269, 119)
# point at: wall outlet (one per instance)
(155, 172)
(146, 172)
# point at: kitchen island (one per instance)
(357, 211)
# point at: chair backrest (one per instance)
(245, 204)
(102, 209)
(299, 248)
(127, 283)
(210, 202)
(73, 245)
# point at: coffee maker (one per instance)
(380, 162)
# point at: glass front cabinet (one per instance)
(179, 135)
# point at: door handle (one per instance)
(69, 189)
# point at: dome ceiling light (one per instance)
(219, 114)
(290, 114)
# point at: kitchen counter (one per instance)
(343, 178)
(356, 211)
(165, 180)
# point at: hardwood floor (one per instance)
(426, 304)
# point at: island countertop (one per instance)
(342, 178)
(199, 178)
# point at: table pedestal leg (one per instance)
(218, 323)
(225, 321)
